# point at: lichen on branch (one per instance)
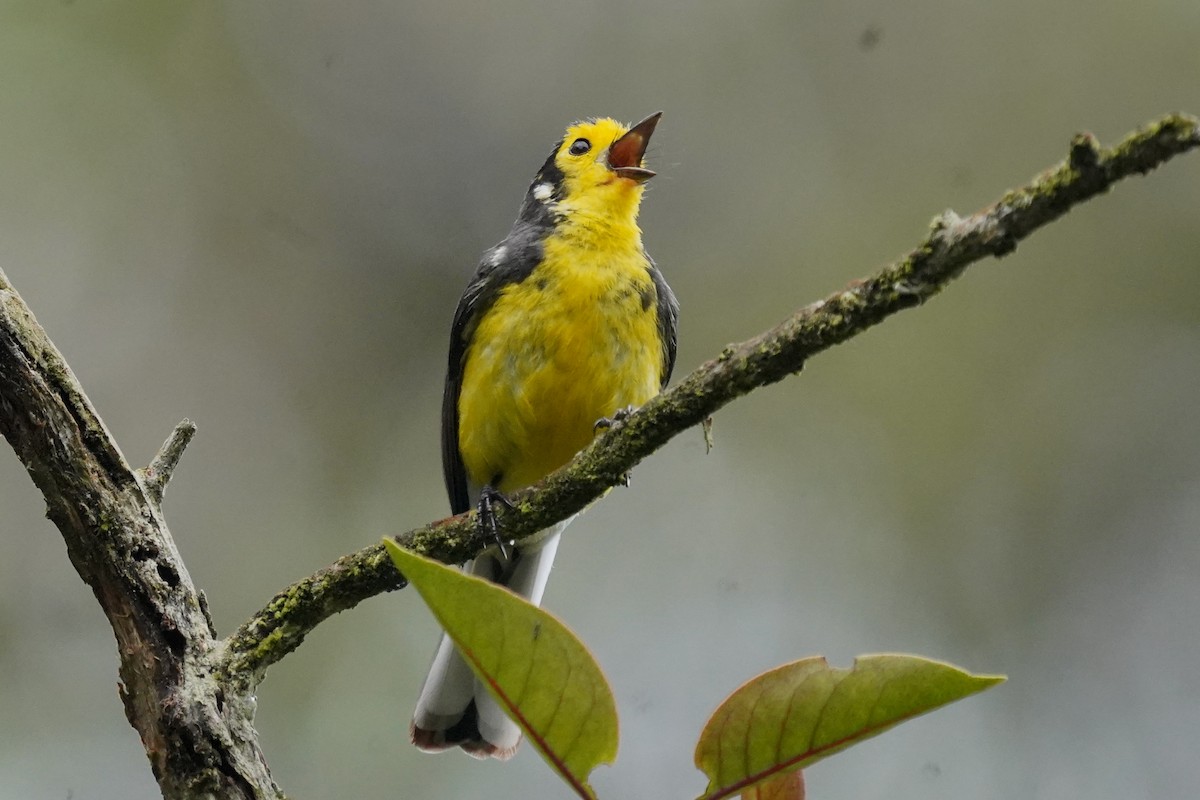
(952, 244)
(187, 692)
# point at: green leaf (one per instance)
(797, 714)
(785, 786)
(534, 666)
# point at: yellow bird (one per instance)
(566, 322)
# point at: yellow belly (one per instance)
(575, 341)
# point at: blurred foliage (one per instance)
(260, 216)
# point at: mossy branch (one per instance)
(199, 738)
(187, 692)
(952, 244)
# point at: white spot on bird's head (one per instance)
(543, 191)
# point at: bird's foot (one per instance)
(488, 499)
(616, 421)
(619, 416)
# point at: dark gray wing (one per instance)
(511, 261)
(668, 319)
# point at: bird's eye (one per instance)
(579, 147)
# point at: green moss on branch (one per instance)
(952, 244)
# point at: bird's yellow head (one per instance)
(595, 172)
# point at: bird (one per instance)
(566, 325)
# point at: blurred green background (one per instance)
(260, 216)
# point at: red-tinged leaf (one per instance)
(797, 714)
(787, 786)
(534, 666)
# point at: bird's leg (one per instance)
(615, 421)
(487, 518)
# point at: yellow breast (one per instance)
(575, 341)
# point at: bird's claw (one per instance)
(618, 417)
(488, 528)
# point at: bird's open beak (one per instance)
(625, 154)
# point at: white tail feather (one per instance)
(451, 686)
